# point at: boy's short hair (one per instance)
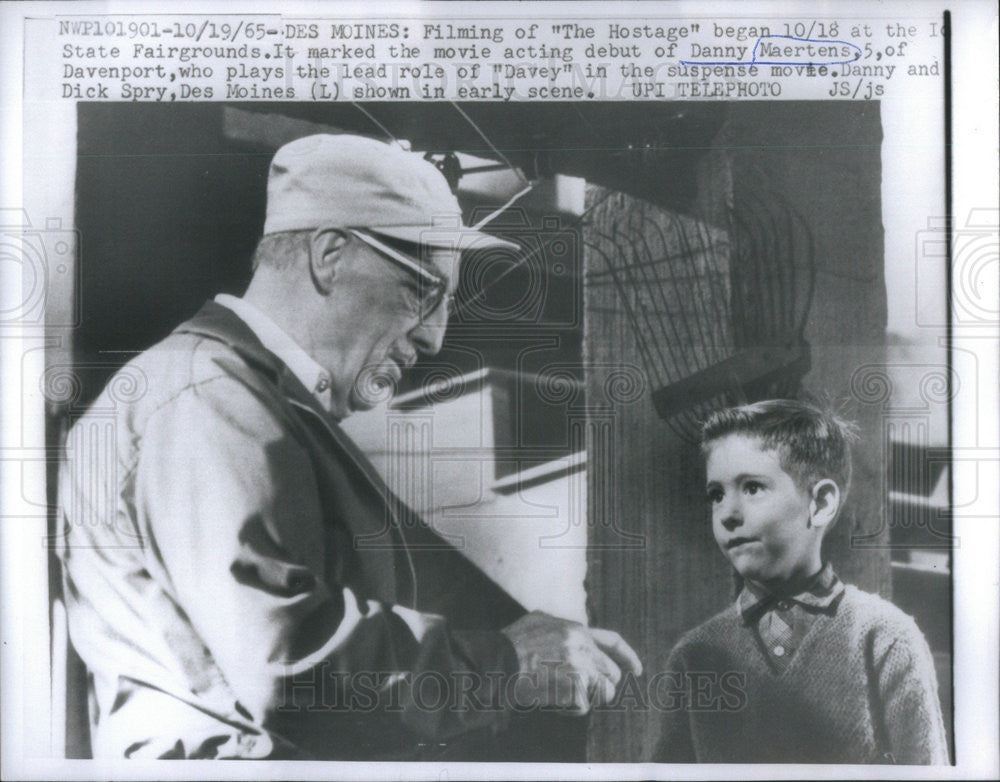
(812, 443)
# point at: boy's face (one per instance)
(760, 517)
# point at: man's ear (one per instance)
(325, 245)
(824, 502)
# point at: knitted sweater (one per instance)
(860, 689)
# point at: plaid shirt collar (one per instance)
(821, 593)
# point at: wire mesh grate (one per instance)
(718, 314)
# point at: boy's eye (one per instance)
(752, 487)
(714, 495)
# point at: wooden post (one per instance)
(825, 158)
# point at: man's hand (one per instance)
(567, 665)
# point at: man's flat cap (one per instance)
(346, 181)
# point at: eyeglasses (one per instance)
(433, 288)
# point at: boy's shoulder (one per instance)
(717, 630)
(880, 625)
(868, 608)
(865, 613)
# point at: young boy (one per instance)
(808, 669)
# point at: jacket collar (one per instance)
(277, 341)
(220, 323)
(214, 321)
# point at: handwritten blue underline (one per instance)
(755, 61)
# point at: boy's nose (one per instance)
(731, 516)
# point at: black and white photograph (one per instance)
(538, 434)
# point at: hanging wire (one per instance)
(490, 144)
(576, 222)
(759, 310)
(528, 186)
(497, 212)
(381, 127)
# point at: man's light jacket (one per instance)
(241, 583)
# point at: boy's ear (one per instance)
(325, 245)
(824, 503)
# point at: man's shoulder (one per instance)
(175, 363)
(182, 358)
(181, 364)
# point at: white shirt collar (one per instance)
(275, 339)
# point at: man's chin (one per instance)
(371, 388)
(359, 401)
(358, 404)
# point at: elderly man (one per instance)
(239, 580)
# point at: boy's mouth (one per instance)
(734, 542)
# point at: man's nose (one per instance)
(428, 335)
